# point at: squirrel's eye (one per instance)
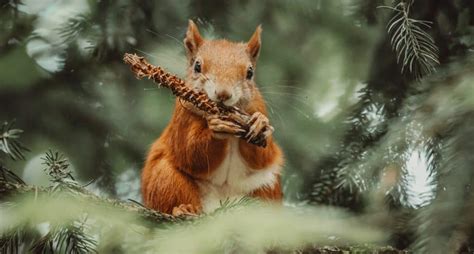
(249, 73)
(197, 67)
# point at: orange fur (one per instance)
(187, 152)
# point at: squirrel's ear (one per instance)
(193, 39)
(253, 45)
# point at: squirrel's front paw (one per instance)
(185, 210)
(223, 129)
(259, 123)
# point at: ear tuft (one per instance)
(253, 45)
(193, 39)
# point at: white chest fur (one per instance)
(233, 179)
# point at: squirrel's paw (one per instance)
(259, 123)
(222, 129)
(185, 209)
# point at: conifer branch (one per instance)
(9, 143)
(11, 189)
(9, 176)
(415, 48)
(200, 100)
(11, 241)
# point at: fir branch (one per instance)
(73, 239)
(143, 69)
(8, 189)
(454, 199)
(415, 48)
(57, 166)
(11, 241)
(228, 204)
(74, 27)
(9, 176)
(9, 143)
(67, 238)
(45, 244)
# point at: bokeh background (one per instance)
(64, 82)
(357, 130)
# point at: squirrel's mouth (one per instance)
(227, 97)
(231, 101)
(234, 100)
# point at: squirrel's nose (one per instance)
(223, 95)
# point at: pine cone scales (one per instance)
(143, 69)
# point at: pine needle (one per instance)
(415, 49)
(9, 143)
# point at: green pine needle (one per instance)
(57, 166)
(73, 239)
(415, 48)
(9, 143)
(11, 241)
(229, 204)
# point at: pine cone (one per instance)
(200, 100)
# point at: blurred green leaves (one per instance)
(243, 229)
(18, 70)
(92, 99)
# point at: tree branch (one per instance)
(9, 189)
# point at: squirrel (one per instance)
(198, 161)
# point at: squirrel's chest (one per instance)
(232, 170)
(233, 179)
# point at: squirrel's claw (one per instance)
(259, 123)
(185, 210)
(222, 128)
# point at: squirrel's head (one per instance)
(224, 70)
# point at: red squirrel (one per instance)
(198, 161)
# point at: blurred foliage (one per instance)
(373, 108)
(66, 86)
